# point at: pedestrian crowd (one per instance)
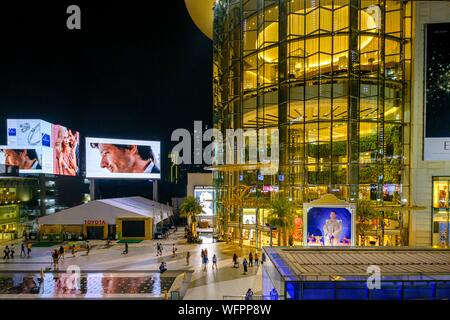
(9, 251)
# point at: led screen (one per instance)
(329, 226)
(437, 92)
(29, 160)
(204, 195)
(66, 151)
(28, 133)
(117, 158)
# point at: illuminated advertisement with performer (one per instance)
(329, 227)
(66, 151)
(118, 158)
(29, 160)
(204, 196)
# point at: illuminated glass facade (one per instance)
(334, 77)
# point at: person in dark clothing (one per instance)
(126, 248)
(250, 259)
(6, 252)
(235, 261)
(244, 264)
(162, 267)
(11, 251)
(22, 249)
(61, 252)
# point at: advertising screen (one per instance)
(117, 158)
(66, 151)
(329, 226)
(437, 92)
(204, 195)
(28, 132)
(29, 160)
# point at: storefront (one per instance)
(441, 212)
(9, 222)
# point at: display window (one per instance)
(441, 221)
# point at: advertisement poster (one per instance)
(204, 195)
(28, 133)
(66, 151)
(329, 226)
(437, 92)
(29, 160)
(117, 158)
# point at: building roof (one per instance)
(347, 263)
(108, 210)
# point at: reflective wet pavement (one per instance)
(86, 285)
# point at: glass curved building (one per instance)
(333, 76)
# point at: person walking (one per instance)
(188, 256)
(6, 252)
(12, 250)
(263, 256)
(160, 249)
(61, 252)
(55, 259)
(256, 259)
(29, 245)
(214, 261)
(249, 294)
(174, 250)
(273, 294)
(157, 249)
(126, 248)
(245, 264)
(88, 248)
(205, 262)
(250, 259)
(22, 250)
(235, 261)
(73, 250)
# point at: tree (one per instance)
(190, 208)
(282, 217)
(364, 213)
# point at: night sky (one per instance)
(133, 71)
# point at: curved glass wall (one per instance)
(333, 77)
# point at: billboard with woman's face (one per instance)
(66, 151)
(329, 226)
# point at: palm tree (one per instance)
(282, 217)
(190, 208)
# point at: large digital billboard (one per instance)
(29, 160)
(437, 92)
(117, 158)
(57, 146)
(28, 133)
(66, 151)
(329, 226)
(204, 195)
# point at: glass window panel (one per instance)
(312, 21)
(296, 24)
(326, 19)
(393, 21)
(341, 20)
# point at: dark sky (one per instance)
(132, 71)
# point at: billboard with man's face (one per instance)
(117, 158)
(29, 160)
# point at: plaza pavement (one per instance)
(209, 284)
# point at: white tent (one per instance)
(108, 210)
